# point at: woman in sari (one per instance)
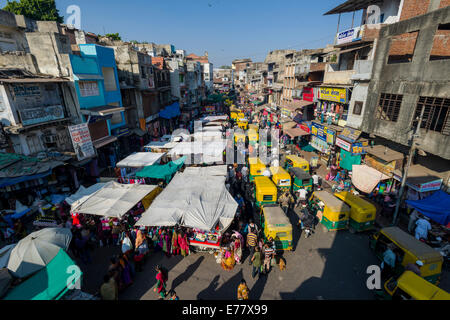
(139, 239)
(183, 243)
(161, 280)
(175, 246)
(166, 243)
(228, 261)
(126, 271)
(238, 240)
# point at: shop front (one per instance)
(322, 139)
(333, 105)
(352, 148)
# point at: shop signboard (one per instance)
(82, 142)
(323, 133)
(333, 94)
(30, 116)
(308, 94)
(343, 144)
(319, 144)
(360, 147)
(348, 35)
(427, 186)
(350, 134)
(305, 128)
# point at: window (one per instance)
(88, 88)
(435, 114)
(357, 108)
(441, 43)
(110, 79)
(389, 107)
(402, 47)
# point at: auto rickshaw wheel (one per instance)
(352, 230)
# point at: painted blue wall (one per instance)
(93, 59)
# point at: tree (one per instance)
(113, 36)
(41, 10)
(225, 67)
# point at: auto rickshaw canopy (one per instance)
(275, 217)
(419, 288)
(334, 204)
(278, 174)
(298, 162)
(407, 242)
(300, 173)
(265, 185)
(356, 202)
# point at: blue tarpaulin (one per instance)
(171, 111)
(436, 207)
(4, 182)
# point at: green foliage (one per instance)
(41, 10)
(225, 67)
(113, 36)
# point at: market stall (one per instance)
(114, 199)
(161, 172)
(352, 147)
(436, 207)
(365, 178)
(207, 171)
(83, 194)
(140, 160)
(194, 202)
(159, 146)
(199, 152)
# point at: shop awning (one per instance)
(104, 141)
(436, 207)
(140, 159)
(83, 194)
(160, 145)
(366, 178)
(421, 179)
(114, 199)
(296, 132)
(207, 171)
(170, 111)
(194, 202)
(102, 111)
(164, 172)
(384, 153)
(288, 125)
(87, 76)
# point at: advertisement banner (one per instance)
(41, 114)
(308, 94)
(319, 144)
(427, 186)
(333, 94)
(343, 144)
(359, 147)
(350, 134)
(323, 133)
(81, 140)
(345, 36)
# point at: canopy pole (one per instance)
(337, 31)
(353, 19)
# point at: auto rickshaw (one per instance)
(335, 213)
(362, 212)
(252, 132)
(410, 286)
(300, 179)
(242, 123)
(276, 225)
(265, 191)
(257, 168)
(411, 250)
(296, 162)
(281, 178)
(234, 115)
(239, 136)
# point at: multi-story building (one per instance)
(275, 61)
(238, 77)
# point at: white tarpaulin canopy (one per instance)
(114, 199)
(140, 159)
(83, 194)
(212, 128)
(215, 118)
(194, 202)
(209, 151)
(366, 178)
(161, 145)
(207, 171)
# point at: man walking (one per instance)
(252, 241)
(269, 254)
(256, 261)
(285, 200)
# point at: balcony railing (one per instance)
(338, 77)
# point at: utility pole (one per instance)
(408, 164)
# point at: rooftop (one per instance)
(353, 5)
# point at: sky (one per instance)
(226, 29)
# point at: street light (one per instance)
(405, 171)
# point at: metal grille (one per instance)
(389, 106)
(435, 115)
(267, 198)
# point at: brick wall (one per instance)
(441, 45)
(402, 47)
(413, 8)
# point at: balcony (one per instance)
(338, 77)
(363, 70)
(317, 66)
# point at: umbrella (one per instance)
(4, 255)
(36, 250)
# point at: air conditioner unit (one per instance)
(52, 138)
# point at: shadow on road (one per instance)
(258, 288)
(205, 293)
(188, 273)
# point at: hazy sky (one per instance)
(227, 29)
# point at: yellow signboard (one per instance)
(333, 94)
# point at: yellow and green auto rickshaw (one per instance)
(239, 136)
(233, 115)
(253, 135)
(257, 168)
(362, 212)
(242, 123)
(332, 212)
(410, 286)
(265, 191)
(293, 161)
(411, 250)
(276, 225)
(281, 178)
(300, 179)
